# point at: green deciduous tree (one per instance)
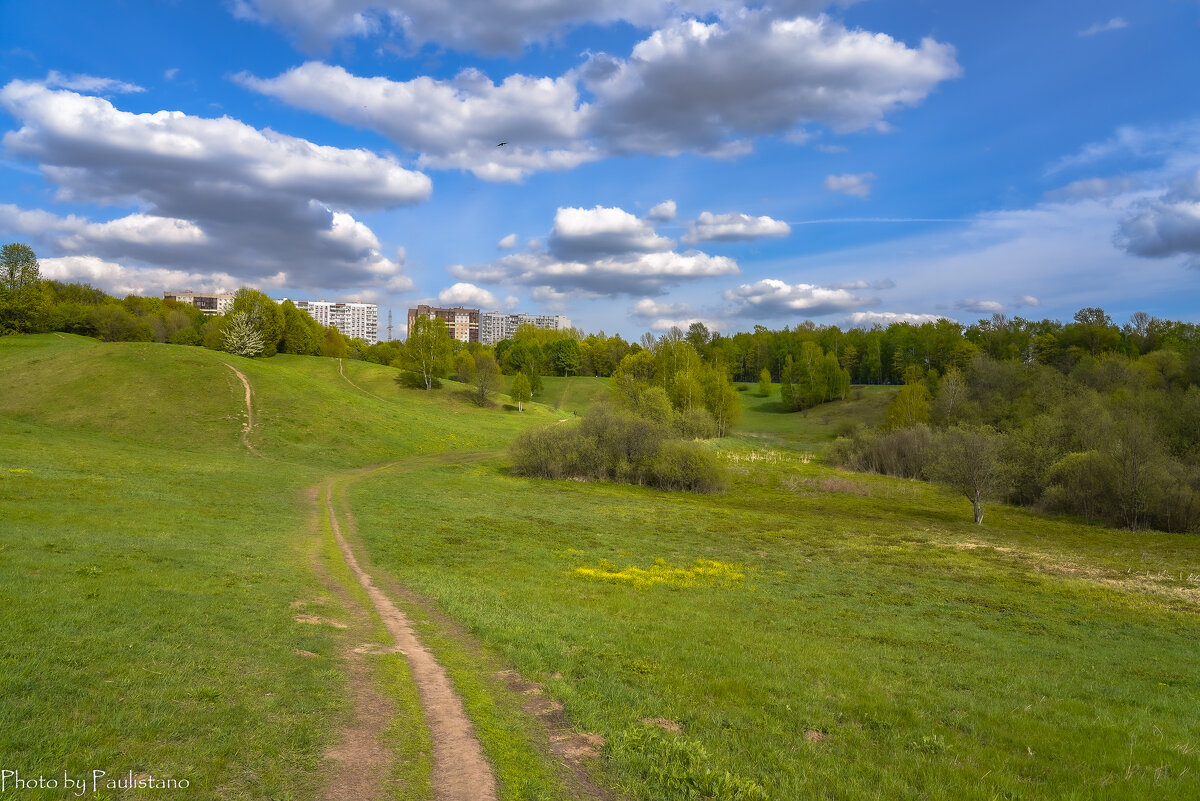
(428, 347)
(486, 377)
(909, 407)
(520, 391)
(24, 300)
(764, 383)
(970, 460)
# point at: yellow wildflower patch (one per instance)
(706, 572)
(19, 470)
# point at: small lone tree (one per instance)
(428, 348)
(242, 337)
(764, 383)
(969, 460)
(487, 375)
(520, 391)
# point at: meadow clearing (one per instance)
(175, 603)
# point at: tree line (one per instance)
(1112, 437)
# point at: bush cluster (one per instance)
(1115, 440)
(614, 445)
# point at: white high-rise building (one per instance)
(495, 326)
(208, 302)
(355, 320)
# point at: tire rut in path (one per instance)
(460, 772)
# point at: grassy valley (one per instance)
(808, 634)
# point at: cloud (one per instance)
(871, 318)
(1175, 146)
(598, 252)
(707, 87)
(462, 294)
(602, 277)
(690, 86)
(981, 306)
(170, 73)
(647, 308)
(601, 232)
(663, 212)
(120, 280)
(1026, 300)
(733, 227)
(774, 298)
(1168, 225)
(883, 283)
(209, 192)
(1093, 187)
(490, 26)
(856, 185)
(89, 84)
(507, 243)
(455, 123)
(1114, 24)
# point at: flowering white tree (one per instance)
(242, 337)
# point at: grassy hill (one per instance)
(809, 634)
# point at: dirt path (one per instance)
(249, 410)
(460, 772)
(342, 371)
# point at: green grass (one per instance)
(859, 638)
(149, 562)
(574, 394)
(764, 419)
(144, 596)
(926, 657)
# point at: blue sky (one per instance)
(846, 162)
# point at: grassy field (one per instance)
(809, 634)
(817, 635)
(152, 568)
(764, 419)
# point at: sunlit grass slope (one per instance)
(819, 635)
(151, 567)
(813, 428)
(573, 394)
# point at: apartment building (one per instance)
(208, 303)
(355, 320)
(463, 323)
(495, 326)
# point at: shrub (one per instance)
(696, 423)
(899, 452)
(612, 445)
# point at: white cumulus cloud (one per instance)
(690, 86)
(771, 297)
(733, 227)
(463, 294)
(211, 192)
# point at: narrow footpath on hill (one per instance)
(460, 769)
(460, 772)
(249, 424)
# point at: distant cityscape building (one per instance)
(487, 328)
(463, 323)
(495, 326)
(205, 302)
(355, 320)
